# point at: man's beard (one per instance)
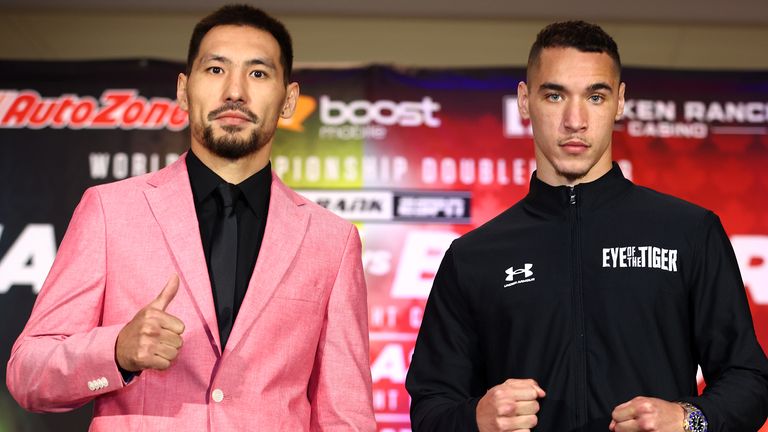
(571, 176)
(230, 146)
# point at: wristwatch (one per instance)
(694, 420)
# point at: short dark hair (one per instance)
(580, 35)
(244, 15)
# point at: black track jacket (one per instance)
(600, 292)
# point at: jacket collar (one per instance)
(556, 200)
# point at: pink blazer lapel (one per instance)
(286, 225)
(173, 206)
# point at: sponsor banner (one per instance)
(449, 207)
(394, 206)
(415, 157)
(122, 108)
(359, 206)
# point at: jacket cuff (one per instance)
(103, 376)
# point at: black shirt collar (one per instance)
(255, 189)
(555, 200)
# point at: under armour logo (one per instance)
(525, 271)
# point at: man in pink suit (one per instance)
(157, 307)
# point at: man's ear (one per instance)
(181, 92)
(620, 107)
(522, 100)
(291, 98)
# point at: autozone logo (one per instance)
(383, 112)
(115, 109)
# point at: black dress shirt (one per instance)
(251, 210)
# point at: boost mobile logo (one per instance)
(526, 271)
(383, 112)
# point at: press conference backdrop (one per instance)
(416, 157)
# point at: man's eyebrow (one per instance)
(252, 62)
(216, 58)
(552, 86)
(261, 62)
(560, 88)
(600, 86)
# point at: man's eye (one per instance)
(596, 98)
(215, 70)
(258, 74)
(554, 97)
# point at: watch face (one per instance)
(697, 422)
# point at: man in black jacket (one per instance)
(589, 304)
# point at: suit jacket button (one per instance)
(217, 395)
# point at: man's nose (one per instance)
(235, 88)
(575, 116)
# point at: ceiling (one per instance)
(734, 12)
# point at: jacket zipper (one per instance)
(578, 305)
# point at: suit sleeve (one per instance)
(734, 365)
(63, 358)
(340, 386)
(443, 377)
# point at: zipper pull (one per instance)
(572, 195)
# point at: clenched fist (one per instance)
(152, 339)
(647, 414)
(510, 406)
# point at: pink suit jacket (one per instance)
(297, 357)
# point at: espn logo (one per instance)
(450, 207)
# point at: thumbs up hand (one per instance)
(152, 339)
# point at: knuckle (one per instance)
(147, 328)
(145, 342)
(512, 408)
(646, 423)
(498, 422)
(152, 314)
